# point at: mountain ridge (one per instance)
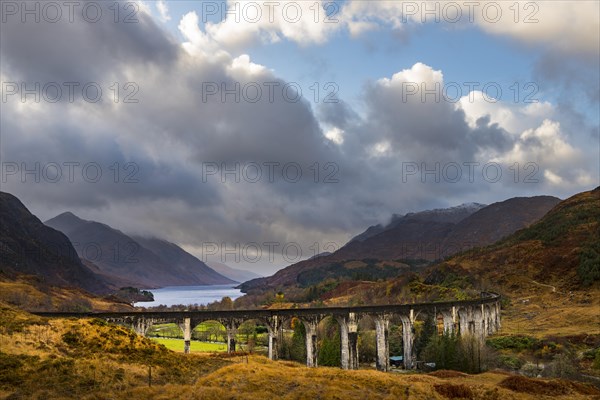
(134, 260)
(422, 236)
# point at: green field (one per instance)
(195, 346)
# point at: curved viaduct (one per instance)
(479, 317)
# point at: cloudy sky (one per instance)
(260, 133)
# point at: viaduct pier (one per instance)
(478, 317)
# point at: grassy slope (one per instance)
(195, 346)
(536, 268)
(68, 359)
(28, 293)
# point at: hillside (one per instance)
(180, 261)
(549, 271)
(89, 359)
(416, 239)
(449, 215)
(29, 247)
(138, 262)
(560, 250)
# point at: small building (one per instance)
(397, 361)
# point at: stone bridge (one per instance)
(479, 317)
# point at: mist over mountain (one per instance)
(451, 215)
(134, 261)
(238, 275)
(424, 236)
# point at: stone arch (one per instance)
(210, 331)
(367, 341)
(252, 334)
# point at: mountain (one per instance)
(27, 246)
(420, 237)
(450, 215)
(238, 275)
(548, 273)
(181, 260)
(137, 262)
(561, 251)
(498, 220)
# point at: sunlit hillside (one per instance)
(68, 359)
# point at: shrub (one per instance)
(510, 362)
(523, 384)
(589, 263)
(562, 366)
(72, 338)
(450, 391)
(596, 364)
(518, 343)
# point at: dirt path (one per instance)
(543, 284)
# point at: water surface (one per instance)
(189, 295)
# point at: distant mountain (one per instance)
(238, 275)
(29, 247)
(180, 259)
(442, 215)
(137, 262)
(424, 236)
(498, 220)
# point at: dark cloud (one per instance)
(162, 144)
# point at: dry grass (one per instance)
(28, 294)
(68, 359)
(444, 373)
(553, 388)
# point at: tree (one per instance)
(395, 340)
(298, 343)
(366, 346)
(589, 263)
(329, 347)
(443, 351)
(424, 334)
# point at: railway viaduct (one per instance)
(479, 317)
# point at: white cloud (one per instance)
(163, 10)
(336, 135)
(548, 148)
(556, 24)
(244, 65)
(564, 25)
(513, 117)
(418, 74)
